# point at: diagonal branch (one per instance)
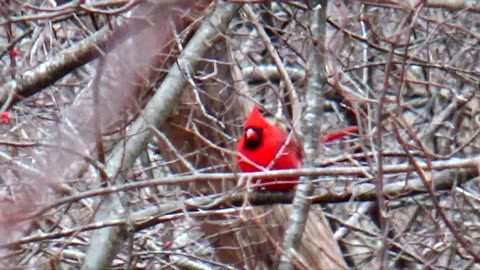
(106, 243)
(35, 80)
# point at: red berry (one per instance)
(5, 118)
(14, 53)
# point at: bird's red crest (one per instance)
(256, 119)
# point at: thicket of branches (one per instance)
(120, 120)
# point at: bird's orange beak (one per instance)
(251, 135)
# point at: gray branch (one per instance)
(311, 130)
(105, 243)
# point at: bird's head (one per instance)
(254, 128)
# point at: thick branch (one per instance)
(311, 131)
(103, 246)
(35, 80)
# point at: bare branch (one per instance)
(106, 242)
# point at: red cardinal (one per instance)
(260, 146)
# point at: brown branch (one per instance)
(210, 205)
(361, 192)
(430, 187)
(454, 5)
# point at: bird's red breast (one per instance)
(264, 146)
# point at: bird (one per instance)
(264, 146)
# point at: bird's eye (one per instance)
(253, 138)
